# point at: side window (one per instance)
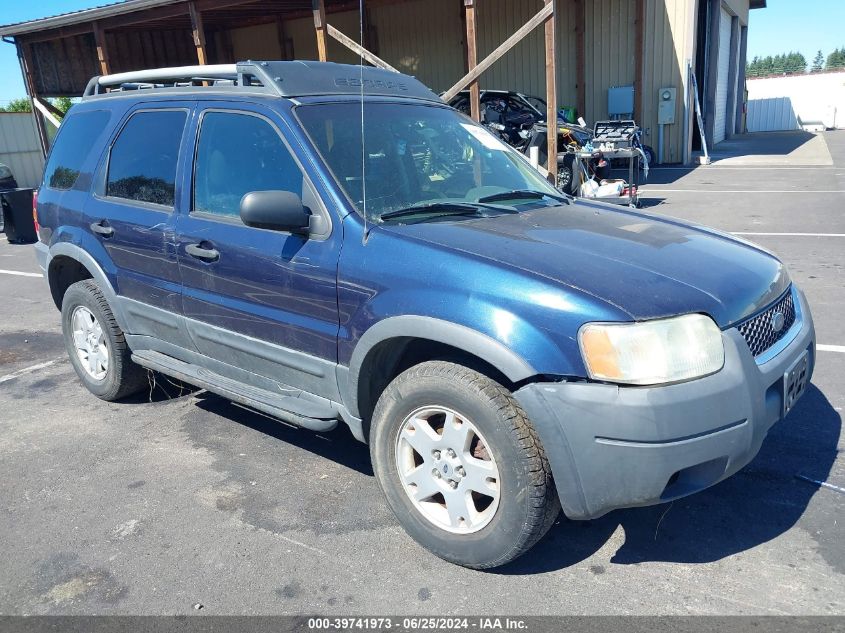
(236, 154)
(78, 134)
(142, 165)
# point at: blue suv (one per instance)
(333, 244)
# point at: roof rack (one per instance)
(281, 78)
(240, 74)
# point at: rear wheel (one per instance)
(461, 465)
(96, 345)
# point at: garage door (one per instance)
(724, 73)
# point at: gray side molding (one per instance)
(421, 327)
(83, 257)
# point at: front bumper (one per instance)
(613, 447)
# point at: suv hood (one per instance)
(648, 267)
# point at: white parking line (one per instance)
(831, 348)
(647, 189)
(749, 167)
(792, 234)
(17, 272)
(28, 370)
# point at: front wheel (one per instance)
(461, 465)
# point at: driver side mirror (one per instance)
(276, 211)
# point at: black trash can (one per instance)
(17, 216)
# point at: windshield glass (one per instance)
(416, 155)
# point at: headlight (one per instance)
(5, 172)
(652, 352)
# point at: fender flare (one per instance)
(488, 349)
(77, 253)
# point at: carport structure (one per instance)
(586, 48)
(60, 54)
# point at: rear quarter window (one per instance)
(78, 134)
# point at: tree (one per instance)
(62, 104)
(818, 63)
(17, 105)
(836, 60)
(783, 64)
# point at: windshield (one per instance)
(417, 155)
(537, 102)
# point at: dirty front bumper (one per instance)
(613, 446)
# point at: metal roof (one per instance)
(83, 15)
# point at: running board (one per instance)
(314, 416)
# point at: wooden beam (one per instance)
(497, 54)
(43, 109)
(639, 52)
(319, 10)
(25, 59)
(551, 94)
(102, 50)
(53, 109)
(198, 32)
(356, 48)
(472, 59)
(580, 61)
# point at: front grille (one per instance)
(758, 331)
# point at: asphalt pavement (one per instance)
(178, 499)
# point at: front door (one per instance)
(256, 300)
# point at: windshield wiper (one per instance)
(443, 208)
(523, 194)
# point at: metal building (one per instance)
(643, 47)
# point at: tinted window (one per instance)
(239, 153)
(143, 159)
(78, 134)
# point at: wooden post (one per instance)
(551, 94)
(499, 51)
(472, 59)
(638, 61)
(319, 7)
(25, 59)
(580, 56)
(198, 32)
(102, 50)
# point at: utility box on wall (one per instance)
(666, 98)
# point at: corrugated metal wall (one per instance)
(670, 28)
(258, 42)
(20, 148)
(523, 67)
(609, 51)
(422, 38)
(425, 38)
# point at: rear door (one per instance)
(256, 300)
(132, 213)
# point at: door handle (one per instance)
(205, 254)
(102, 228)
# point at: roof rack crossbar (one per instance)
(239, 73)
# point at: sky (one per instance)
(785, 25)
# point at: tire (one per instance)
(650, 156)
(501, 439)
(564, 175)
(117, 376)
